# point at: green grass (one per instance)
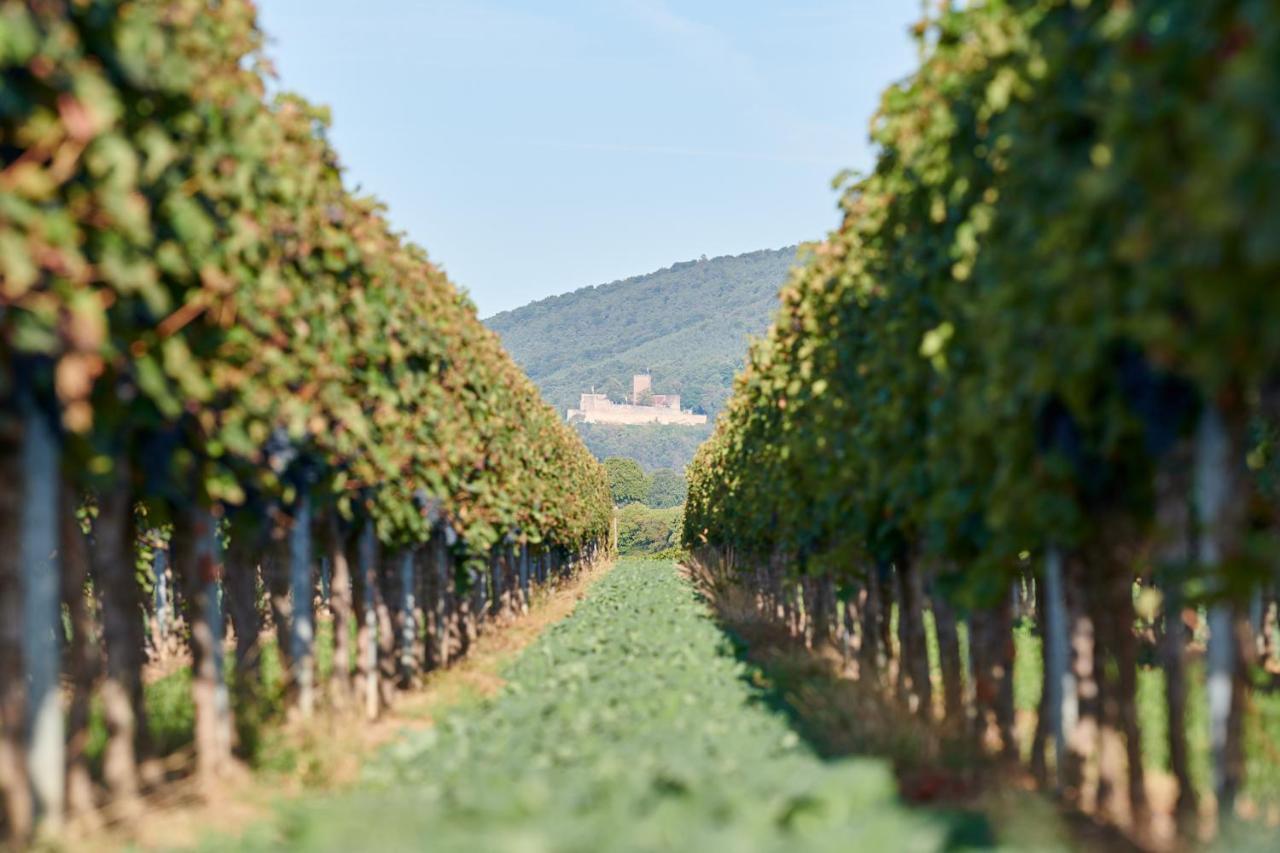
(1028, 667)
(1261, 748)
(171, 716)
(632, 725)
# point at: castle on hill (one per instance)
(643, 407)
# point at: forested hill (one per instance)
(687, 323)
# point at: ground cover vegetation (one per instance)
(651, 734)
(227, 384)
(1038, 354)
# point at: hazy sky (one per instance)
(536, 147)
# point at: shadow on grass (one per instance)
(796, 688)
(985, 803)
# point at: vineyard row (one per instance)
(1040, 346)
(214, 354)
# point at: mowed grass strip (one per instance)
(629, 726)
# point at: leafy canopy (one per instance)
(1065, 250)
(667, 488)
(189, 289)
(627, 482)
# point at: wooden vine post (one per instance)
(342, 608)
(41, 615)
(303, 632)
(1214, 487)
(160, 602)
(408, 607)
(524, 576)
(1059, 681)
(198, 560)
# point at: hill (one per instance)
(687, 323)
(654, 447)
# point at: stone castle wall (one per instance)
(599, 409)
(635, 415)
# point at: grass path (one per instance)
(629, 726)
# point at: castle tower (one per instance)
(641, 383)
(644, 407)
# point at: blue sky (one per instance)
(535, 148)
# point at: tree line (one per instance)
(225, 378)
(629, 484)
(1039, 348)
(649, 507)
